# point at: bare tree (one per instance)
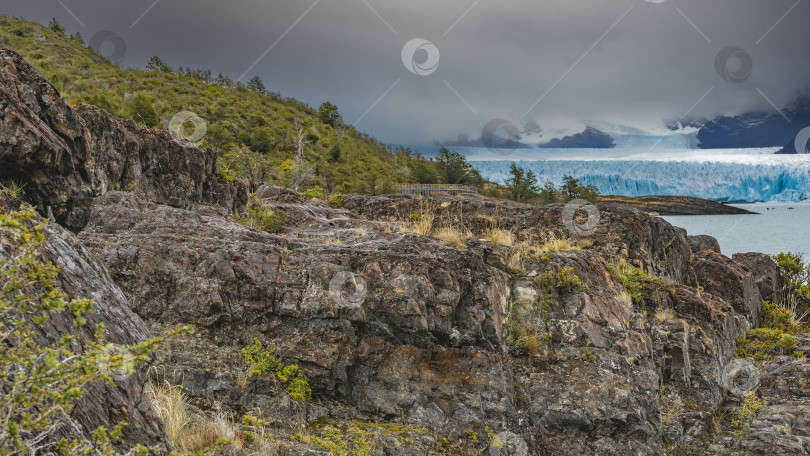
(302, 174)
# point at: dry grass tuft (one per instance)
(625, 298)
(664, 314)
(188, 432)
(499, 236)
(558, 244)
(453, 235)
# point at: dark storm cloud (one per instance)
(630, 62)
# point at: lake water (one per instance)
(771, 231)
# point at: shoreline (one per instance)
(665, 205)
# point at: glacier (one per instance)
(718, 181)
(724, 175)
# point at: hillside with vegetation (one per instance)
(259, 135)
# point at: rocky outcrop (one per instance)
(400, 329)
(765, 272)
(722, 276)
(703, 242)
(433, 348)
(65, 157)
(648, 242)
(103, 404)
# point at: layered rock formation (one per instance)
(624, 344)
(65, 157)
(82, 276)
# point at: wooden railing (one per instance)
(426, 189)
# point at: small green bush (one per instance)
(262, 361)
(353, 443)
(773, 338)
(41, 383)
(635, 281)
(563, 279)
(314, 192)
(262, 217)
(750, 407)
(336, 200)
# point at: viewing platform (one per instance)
(428, 189)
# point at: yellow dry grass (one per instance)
(664, 314)
(500, 237)
(189, 432)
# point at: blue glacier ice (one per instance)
(727, 182)
(726, 175)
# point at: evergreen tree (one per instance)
(328, 114)
(156, 64)
(423, 173)
(56, 27)
(522, 184)
(142, 110)
(549, 193)
(256, 85)
(455, 169)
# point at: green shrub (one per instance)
(262, 217)
(262, 361)
(773, 338)
(795, 285)
(563, 279)
(142, 110)
(750, 407)
(41, 383)
(314, 192)
(336, 200)
(635, 281)
(764, 343)
(353, 443)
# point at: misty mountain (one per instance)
(755, 129)
(790, 147)
(465, 141)
(590, 138)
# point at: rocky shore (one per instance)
(675, 205)
(453, 325)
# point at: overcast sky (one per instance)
(561, 63)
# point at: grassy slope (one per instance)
(235, 116)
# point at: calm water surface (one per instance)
(776, 229)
